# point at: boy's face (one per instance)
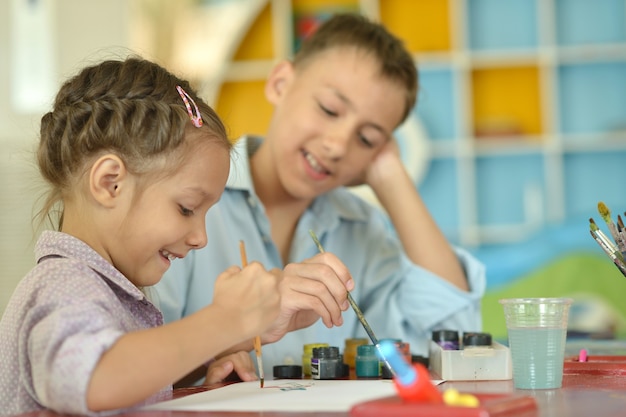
(332, 116)
(167, 219)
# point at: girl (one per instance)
(134, 159)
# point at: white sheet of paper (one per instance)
(283, 395)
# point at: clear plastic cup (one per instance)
(537, 329)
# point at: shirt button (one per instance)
(266, 239)
(252, 201)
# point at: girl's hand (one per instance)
(251, 295)
(238, 363)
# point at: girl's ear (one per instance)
(107, 179)
(278, 81)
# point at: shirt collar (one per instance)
(52, 243)
(341, 203)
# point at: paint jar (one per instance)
(349, 350)
(405, 350)
(447, 339)
(326, 363)
(287, 372)
(307, 354)
(475, 340)
(367, 363)
(424, 360)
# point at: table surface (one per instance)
(588, 394)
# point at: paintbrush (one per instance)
(606, 216)
(618, 263)
(606, 243)
(620, 228)
(358, 312)
(257, 339)
(605, 239)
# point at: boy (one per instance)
(335, 108)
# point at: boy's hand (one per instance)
(384, 166)
(313, 289)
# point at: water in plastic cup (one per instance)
(537, 329)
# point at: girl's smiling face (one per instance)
(167, 218)
(332, 116)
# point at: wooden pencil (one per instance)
(257, 339)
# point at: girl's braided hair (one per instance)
(130, 108)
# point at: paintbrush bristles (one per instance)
(604, 212)
(257, 339)
(617, 237)
(605, 239)
(620, 265)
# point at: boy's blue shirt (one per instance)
(399, 299)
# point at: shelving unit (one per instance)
(524, 102)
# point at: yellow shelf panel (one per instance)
(423, 25)
(243, 108)
(313, 6)
(257, 43)
(506, 101)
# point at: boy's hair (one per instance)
(130, 108)
(354, 30)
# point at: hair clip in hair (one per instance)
(196, 118)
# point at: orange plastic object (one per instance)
(490, 405)
(422, 390)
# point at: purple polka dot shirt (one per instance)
(62, 317)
